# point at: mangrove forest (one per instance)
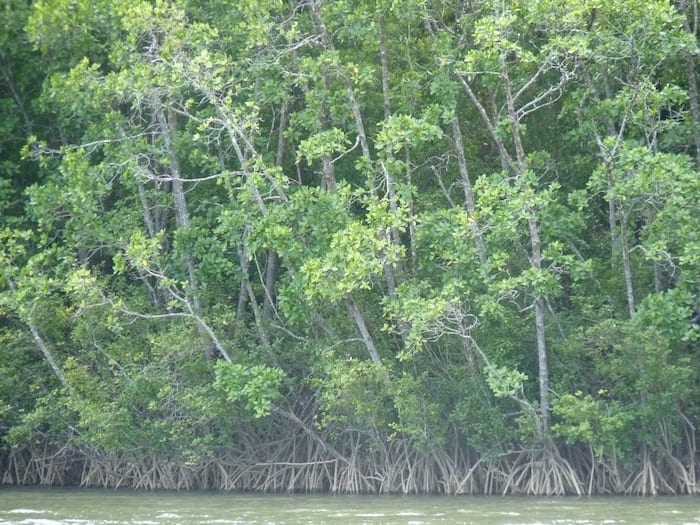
(351, 246)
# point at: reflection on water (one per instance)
(91, 507)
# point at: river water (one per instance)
(32, 506)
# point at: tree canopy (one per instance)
(367, 246)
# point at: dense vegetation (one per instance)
(386, 246)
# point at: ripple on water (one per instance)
(40, 521)
(222, 520)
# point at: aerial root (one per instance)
(360, 463)
(542, 472)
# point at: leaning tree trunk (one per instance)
(168, 125)
(48, 355)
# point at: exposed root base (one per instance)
(304, 465)
(542, 472)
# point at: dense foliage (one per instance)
(371, 245)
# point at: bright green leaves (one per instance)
(377, 198)
(669, 313)
(355, 393)
(138, 18)
(354, 258)
(444, 236)
(420, 411)
(591, 420)
(531, 74)
(142, 253)
(304, 226)
(74, 201)
(356, 255)
(505, 208)
(641, 42)
(422, 313)
(13, 255)
(72, 29)
(325, 143)
(78, 93)
(255, 387)
(651, 31)
(83, 288)
(404, 131)
(505, 382)
(30, 273)
(657, 196)
(634, 382)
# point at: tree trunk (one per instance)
(390, 185)
(272, 262)
(540, 308)
(536, 263)
(469, 199)
(47, 353)
(627, 267)
(270, 279)
(356, 315)
(692, 72)
(182, 216)
(252, 301)
(518, 166)
(42, 344)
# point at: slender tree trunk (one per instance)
(692, 73)
(540, 310)
(359, 319)
(167, 126)
(469, 199)
(412, 234)
(244, 261)
(182, 216)
(272, 262)
(155, 292)
(281, 139)
(506, 159)
(45, 350)
(322, 32)
(519, 167)
(615, 239)
(47, 353)
(658, 269)
(242, 294)
(389, 181)
(627, 267)
(536, 263)
(694, 103)
(328, 183)
(515, 128)
(618, 229)
(148, 219)
(269, 284)
(384, 61)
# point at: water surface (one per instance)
(32, 506)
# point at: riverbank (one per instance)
(314, 467)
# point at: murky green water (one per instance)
(87, 507)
